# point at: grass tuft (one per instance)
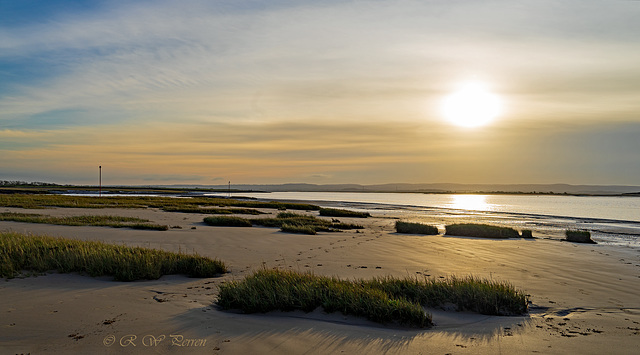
(335, 212)
(526, 233)
(99, 221)
(578, 236)
(227, 221)
(20, 252)
(299, 223)
(209, 210)
(481, 231)
(382, 300)
(415, 228)
(303, 229)
(269, 290)
(467, 293)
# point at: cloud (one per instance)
(271, 90)
(165, 60)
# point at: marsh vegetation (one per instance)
(336, 212)
(480, 231)
(168, 203)
(287, 222)
(100, 221)
(415, 228)
(578, 236)
(20, 252)
(383, 300)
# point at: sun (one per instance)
(472, 105)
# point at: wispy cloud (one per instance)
(303, 89)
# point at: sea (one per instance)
(612, 220)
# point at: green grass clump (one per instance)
(299, 223)
(526, 233)
(578, 236)
(303, 229)
(286, 221)
(481, 231)
(467, 294)
(334, 212)
(209, 210)
(20, 252)
(99, 221)
(415, 228)
(227, 221)
(54, 200)
(269, 290)
(382, 300)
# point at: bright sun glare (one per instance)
(472, 105)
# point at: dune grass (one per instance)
(335, 212)
(20, 252)
(269, 290)
(287, 222)
(470, 293)
(383, 300)
(209, 210)
(227, 221)
(301, 229)
(100, 221)
(481, 231)
(415, 228)
(577, 236)
(299, 223)
(51, 200)
(526, 233)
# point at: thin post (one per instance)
(100, 193)
(229, 191)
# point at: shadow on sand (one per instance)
(333, 333)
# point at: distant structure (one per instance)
(100, 185)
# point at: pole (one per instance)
(229, 192)
(100, 167)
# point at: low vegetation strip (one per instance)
(299, 223)
(209, 210)
(100, 221)
(578, 236)
(383, 300)
(303, 229)
(269, 290)
(287, 221)
(227, 221)
(19, 252)
(470, 293)
(52, 200)
(481, 231)
(415, 228)
(335, 212)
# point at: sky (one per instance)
(267, 92)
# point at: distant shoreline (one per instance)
(9, 187)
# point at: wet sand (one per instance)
(584, 297)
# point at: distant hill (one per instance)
(399, 187)
(440, 188)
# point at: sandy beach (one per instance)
(584, 297)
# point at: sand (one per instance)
(584, 297)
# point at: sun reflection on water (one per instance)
(470, 202)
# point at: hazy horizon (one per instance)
(441, 187)
(331, 92)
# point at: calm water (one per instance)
(611, 220)
(594, 207)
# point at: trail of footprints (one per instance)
(338, 244)
(565, 327)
